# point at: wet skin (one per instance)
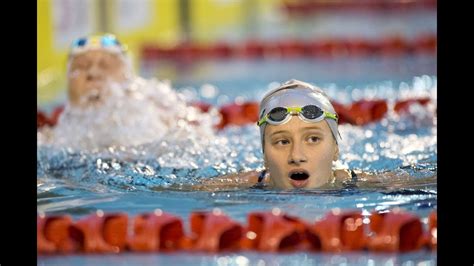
(299, 154)
(89, 74)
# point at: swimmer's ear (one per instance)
(336, 154)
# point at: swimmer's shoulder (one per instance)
(352, 175)
(249, 177)
(240, 180)
(342, 174)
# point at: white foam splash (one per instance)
(134, 113)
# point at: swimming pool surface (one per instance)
(142, 178)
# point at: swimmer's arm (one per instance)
(382, 176)
(386, 179)
(342, 175)
(345, 175)
(232, 181)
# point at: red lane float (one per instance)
(156, 231)
(363, 112)
(293, 48)
(345, 117)
(100, 233)
(340, 231)
(213, 231)
(425, 44)
(273, 231)
(55, 115)
(394, 46)
(307, 8)
(204, 107)
(42, 120)
(395, 231)
(239, 114)
(221, 50)
(404, 105)
(53, 233)
(358, 113)
(432, 234)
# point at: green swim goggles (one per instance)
(308, 113)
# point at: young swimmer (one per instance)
(94, 62)
(108, 105)
(300, 137)
(298, 129)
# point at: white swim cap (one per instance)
(297, 93)
(106, 42)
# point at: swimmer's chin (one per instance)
(307, 185)
(89, 101)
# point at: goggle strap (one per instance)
(263, 120)
(330, 115)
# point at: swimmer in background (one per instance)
(108, 105)
(93, 63)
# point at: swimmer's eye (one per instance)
(314, 139)
(81, 65)
(282, 142)
(105, 64)
(108, 63)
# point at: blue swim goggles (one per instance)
(106, 41)
(308, 113)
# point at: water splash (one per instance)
(175, 151)
(134, 113)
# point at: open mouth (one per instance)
(299, 178)
(298, 175)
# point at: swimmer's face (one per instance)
(90, 72)
(299, 154)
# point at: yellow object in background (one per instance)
(134, 22)
(229, 20)
(163, 23)
(216, 19)
(139, 22)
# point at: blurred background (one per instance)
(218, 51)
(376, 59)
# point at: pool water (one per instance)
(141, 178)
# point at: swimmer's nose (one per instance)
(296, 155)
(94, 72)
